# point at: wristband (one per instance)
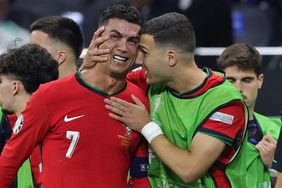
(150, 131)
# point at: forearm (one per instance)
(181, 161)
(190, 164)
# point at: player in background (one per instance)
(22, 70)
(242, 66)
(63, 39)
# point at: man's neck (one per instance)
(20, 103)
(102, 81)
(187, 79)
(251, 114)
(66, 69)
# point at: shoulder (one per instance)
(136, 90)
(268, 124)
(56, 85)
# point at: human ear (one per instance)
(172, 58)
(260, 80)
(61, 57)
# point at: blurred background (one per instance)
(217, 23)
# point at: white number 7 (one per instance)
(74, 136)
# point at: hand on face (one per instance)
(94, 54)
(135, 116)
(267, 147)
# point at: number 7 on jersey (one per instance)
(74, 136)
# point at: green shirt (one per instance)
(179, 119)
(257, 173)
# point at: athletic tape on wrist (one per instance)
(151, 130)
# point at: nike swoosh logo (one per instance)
(68, 119)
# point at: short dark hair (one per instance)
(172, 29)
(62, 29)
(127, 13)
(244, 56)
(31, 64)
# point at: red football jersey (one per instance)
(81, 145)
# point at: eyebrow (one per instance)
(120, 34)
(143, 49)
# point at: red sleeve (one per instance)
(12, 119)
(139, 167)
(138, 78)
(30, 131)
(227, 123)
(35, 161)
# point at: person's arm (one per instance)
(28, 131)
(138, 77)
(279, 180)
(267, 147)
(189, 165)
(139, 167)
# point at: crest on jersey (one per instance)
(18, 125)
(127, 129)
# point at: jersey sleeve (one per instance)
(226, 124)
(30, 128)
(139, 167)
(138, 78)
(35, 162)
(277, 162)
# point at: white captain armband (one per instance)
(151, 130)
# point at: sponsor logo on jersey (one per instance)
(68, 119)
(126, 139)
(222, 117)
(18, 124)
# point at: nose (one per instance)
(239, 86)
(122, 46)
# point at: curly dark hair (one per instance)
(127, 13)
(31, 64)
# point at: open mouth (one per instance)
(120, 59)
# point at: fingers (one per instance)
(97, 38)
(94, 54)
(118, 102)
(265, 146)
(137, 101)
(98, 33)
(269, 138)
(98, 55)
(115, 108)
(116, 117)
